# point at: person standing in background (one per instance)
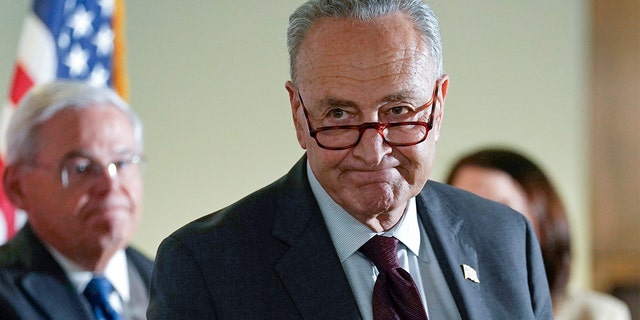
(510, 178)
(74, 153)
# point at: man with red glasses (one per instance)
(73, 165)
(355, 230)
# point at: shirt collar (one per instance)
(116, 272)
(348, 234)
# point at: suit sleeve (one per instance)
(178, 289)
(538, 284)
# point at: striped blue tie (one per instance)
(97, 293)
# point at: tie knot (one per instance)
(99, 286)
(381, 251)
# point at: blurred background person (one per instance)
(73, 165)
(510, 178)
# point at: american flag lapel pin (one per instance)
(470, 273)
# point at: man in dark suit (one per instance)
(356, 218)
(73, 156)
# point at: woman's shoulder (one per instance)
(593, 305)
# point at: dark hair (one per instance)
(543, 203)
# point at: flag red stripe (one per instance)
(21, 84)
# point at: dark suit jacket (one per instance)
(270, 256)
(34, 286)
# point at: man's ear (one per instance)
(443, 82)
(298, 122)
(12, 183)
(443, 90)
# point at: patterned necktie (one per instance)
(97, 293)
(395, 295)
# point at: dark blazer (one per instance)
(270, 256)
(34, 286)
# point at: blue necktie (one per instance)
(395, 295)
(97, 293)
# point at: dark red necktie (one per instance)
(395, 295)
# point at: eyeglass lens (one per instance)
(80, 171)
(396, 134)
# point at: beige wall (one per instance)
(207, 78)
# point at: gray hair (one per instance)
(423, 17)
(44, 101)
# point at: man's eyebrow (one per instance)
(86, 154)
(77, 154)
(399, 96)
(394, 97)
(333, 102)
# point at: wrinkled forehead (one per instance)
(387, 46)
(98, 129)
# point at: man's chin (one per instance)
(369, 204)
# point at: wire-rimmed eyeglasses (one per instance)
(78, 170)
(397, 134)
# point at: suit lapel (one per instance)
(47, 284)
(315, 280)
(56, 299)
(445, 231)
(310, 270)
(139, 269)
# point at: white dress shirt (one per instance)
(116, 272)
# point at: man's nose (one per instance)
(372, 148)
(107, 179)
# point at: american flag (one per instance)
(72, 39)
